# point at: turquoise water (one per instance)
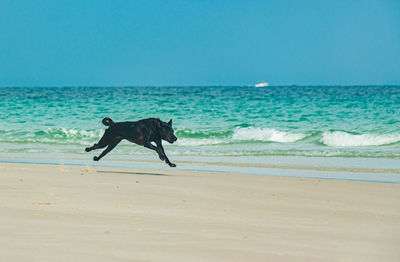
(342, 121)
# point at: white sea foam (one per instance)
(198, 141)
(77, 133)
(343, 139)
(266, 134)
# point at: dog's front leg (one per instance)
(161, 148)
(151, 146)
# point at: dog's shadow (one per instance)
(131, 173)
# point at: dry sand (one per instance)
(76, 213)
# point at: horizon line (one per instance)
(269, 86)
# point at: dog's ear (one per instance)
(170, 122)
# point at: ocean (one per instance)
(212, 122)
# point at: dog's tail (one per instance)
(107, 121)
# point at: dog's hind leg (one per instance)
(108, 149)
(105, 140)
(95, 146)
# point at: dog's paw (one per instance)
(172, 165)
(87, 149)
(96, 158)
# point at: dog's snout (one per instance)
(172, 139)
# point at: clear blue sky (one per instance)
(58, 43)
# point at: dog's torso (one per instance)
(136, 131)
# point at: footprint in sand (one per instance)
(41, 203)
(89, 170)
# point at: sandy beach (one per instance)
(82, 213)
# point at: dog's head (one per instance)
(166, 132)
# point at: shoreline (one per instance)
(334, 168)
(97, 213)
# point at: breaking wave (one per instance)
(238, 135)
(266, 134)
(236, 141)
(51, 136)
(344, 139)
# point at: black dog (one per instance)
(141, 132)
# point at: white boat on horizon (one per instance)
(262, 84)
